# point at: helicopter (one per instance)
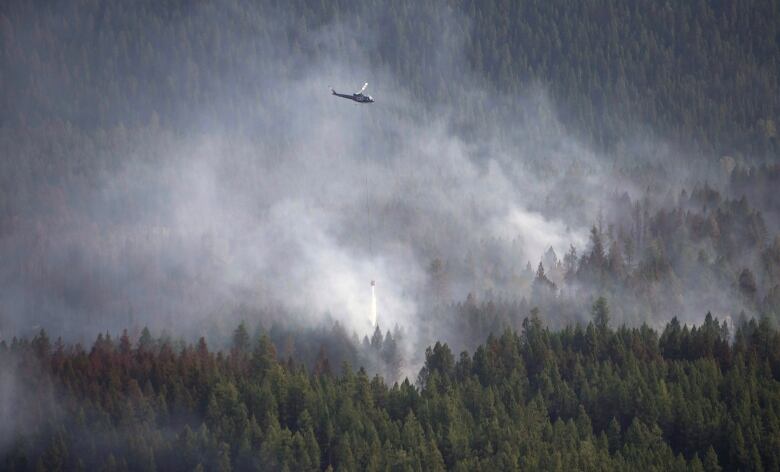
(357, 96)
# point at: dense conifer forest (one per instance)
(582, 398)
(569, 207)
(704, 73)
(90, 90)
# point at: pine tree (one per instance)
(613, 435)
(711, 461)
(600, 314)
(241, 339)
(263, 356)
(145, 342)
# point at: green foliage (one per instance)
(687, 399)
(241, 339)
(600, 313)
(703, 72)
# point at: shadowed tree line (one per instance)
(586, 397)
(702, 248)
(702, 73)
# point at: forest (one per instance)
(586, 397)
(568, 210)
(654, 138)
(703, 74)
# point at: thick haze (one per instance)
(185, 168)
(273, 199)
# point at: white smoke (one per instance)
(306, 199)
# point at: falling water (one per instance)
(373, 304)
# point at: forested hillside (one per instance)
(170, 169)
(583, 398)
(704, 74)
(654, 262)
(92, 92)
